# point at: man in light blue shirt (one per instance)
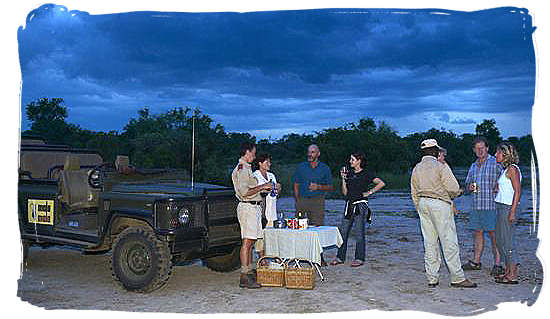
(481, 183)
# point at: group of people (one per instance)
(494, 181)
(312, 179)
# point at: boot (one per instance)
(252, 284)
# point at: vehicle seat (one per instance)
(75, 190)
(122, 165)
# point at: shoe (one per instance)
(506, 281)
(433, 284)
(470, 265)
(357, 263)
(252, 284)
(497, 271)
(243, 282)
(464, 284)
(336, 261)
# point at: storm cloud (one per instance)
(273, 73)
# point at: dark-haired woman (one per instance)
(507, 202)
(355, 186)
(262, 164)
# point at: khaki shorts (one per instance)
(250, 220)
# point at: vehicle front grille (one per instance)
(167, 214)
(222, 208)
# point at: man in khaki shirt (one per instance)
(248, 211)
(433, 186)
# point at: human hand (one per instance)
(344, 172)
(279, 187)
(472, 187)
(455, 211)
(314, 187)
(266, 186)
(511, 218)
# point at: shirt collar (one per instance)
(242, 161)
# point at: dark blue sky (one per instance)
(279, 72)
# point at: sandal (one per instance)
(470, 265)
(497, 271)
(336, 262)
(357, 263)
(506, 281)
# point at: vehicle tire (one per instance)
(225, 263)
(26, 245)
(140, 261)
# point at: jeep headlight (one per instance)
(184, 216)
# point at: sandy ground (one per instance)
(392, 279)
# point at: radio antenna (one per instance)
(193, 153)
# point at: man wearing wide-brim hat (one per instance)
(433, 187)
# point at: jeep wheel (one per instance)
(140, 261)
(26, 245)
(225, 263)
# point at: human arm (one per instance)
(414, 189)
(259, 188)
(378, 185)
(296, 191)
(468, 186)
(325, 184)
(246, 183)
(449, 182)
(343, 177)
(320, 187)
(513, 175)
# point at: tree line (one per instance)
(164, 141)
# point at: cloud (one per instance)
(279, 65)
(446, 118)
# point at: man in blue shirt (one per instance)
(312, 179)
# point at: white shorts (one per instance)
(250, 220)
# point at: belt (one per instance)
(252, 202)
(430, 197)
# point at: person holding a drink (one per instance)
(481, 181)
(312, 179)
(356, 184)
(269, 202)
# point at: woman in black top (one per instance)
(355, 186)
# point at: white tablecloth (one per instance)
(304, 244)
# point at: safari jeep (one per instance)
(145, 219)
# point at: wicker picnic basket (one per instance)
(267, 275)
(299, 277)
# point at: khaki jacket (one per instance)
(433, 179)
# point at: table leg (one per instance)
(319, 271)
